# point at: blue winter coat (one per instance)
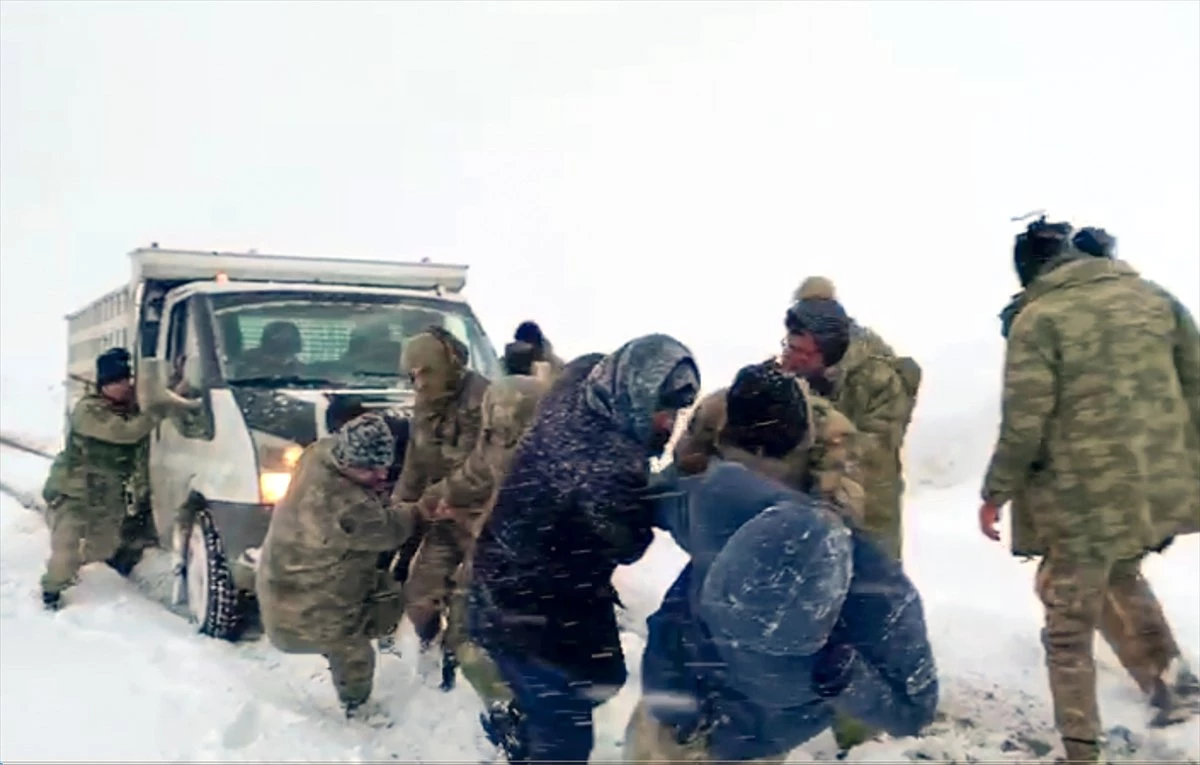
(783, 616)
(570, 510)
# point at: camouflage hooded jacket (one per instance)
(443, 431)
(1102, 392)
(319, 565)
(507, 412)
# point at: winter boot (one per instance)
(124, 560)
(502, 724)
(387, 644)
(449, 669)
(52, 600)
(1170, 707)
(1082, 752)
(1183, 681)
(368, 713)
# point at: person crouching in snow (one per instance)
(784, 617)
(570, 510)
(320, 584)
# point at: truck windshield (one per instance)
(317, 339)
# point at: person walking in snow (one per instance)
(784, 618)
(509, 407)
(541, 600)
(322, 583)
(99, 478)
(1100, 439)
(444, 429)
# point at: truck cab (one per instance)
(264, 342)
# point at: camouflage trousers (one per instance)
(648, 740)
(430, 582)
(476, 665)
(1080, 597)
(351, 658)
(78, 535)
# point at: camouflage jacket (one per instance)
(826, 462)
(103, 468)
(1099, 432)
(319, 566)
(507, 412)
(439, 441)
(870, 388)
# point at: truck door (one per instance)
(180, 444)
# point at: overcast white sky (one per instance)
(608, 169)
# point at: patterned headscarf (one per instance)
(629, 385)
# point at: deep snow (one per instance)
(139, 685)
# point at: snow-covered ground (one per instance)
(137, 684)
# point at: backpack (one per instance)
(910, 374)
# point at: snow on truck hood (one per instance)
(299, 414)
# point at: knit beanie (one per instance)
(365, 442)
(114, 365)
(826, 321)
(519, 357)
(765, 411)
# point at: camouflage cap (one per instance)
(365, 442)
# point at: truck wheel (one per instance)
(211, 595)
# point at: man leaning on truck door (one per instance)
(87, 494)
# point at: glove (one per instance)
(831, 671)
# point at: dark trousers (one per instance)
(556, 710)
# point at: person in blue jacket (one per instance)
(570, 510)
(783, 618)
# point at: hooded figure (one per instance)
(443, 431)
(783, 618)
(320, 583)
(570, 511)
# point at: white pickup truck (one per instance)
(264, 341)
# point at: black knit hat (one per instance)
(827, 322)
(530, 332)
(1095, 242)
(1037, 246)
(114, 365)
(518, 358)
(765, 411)
(342, 409)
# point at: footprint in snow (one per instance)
(244, 729)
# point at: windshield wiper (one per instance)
(273, 381)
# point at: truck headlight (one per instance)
(272, 486)
(276, 459)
